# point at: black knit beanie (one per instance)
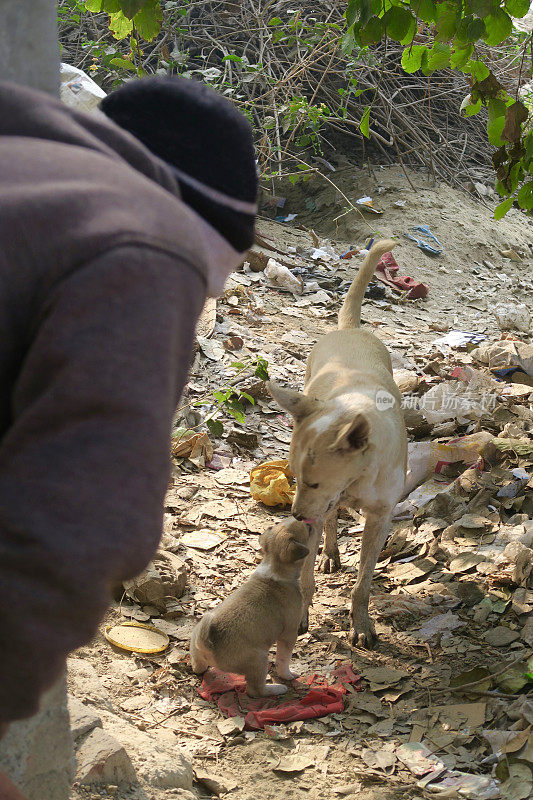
(204, 139)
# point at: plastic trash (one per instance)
(366, 203)
(427, 462)
(454, 400)
(386, 270)
(78, 90)
(423, 244)
(272, 483)
(505, 354)
(512, 316)
(457, 339)
(282, 277)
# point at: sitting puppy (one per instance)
(237, 635)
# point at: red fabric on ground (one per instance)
(386, 273)
(229, 693)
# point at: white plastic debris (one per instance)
(512, 316)
(282, 277)
(456, 339)
(78, 90)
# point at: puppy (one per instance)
(237, 635)
(349, 445)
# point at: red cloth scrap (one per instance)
(229, 693)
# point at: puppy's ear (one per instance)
(296, 403)
(265, 539)
(296, 550)
(352, 436)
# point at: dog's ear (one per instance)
(353, 435)
(296, 550)
(265, 539)
(296, 403)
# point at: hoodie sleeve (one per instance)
(84, 465)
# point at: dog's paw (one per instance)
(362, 633)
(287, 674)
(329, 562)
(273, 689)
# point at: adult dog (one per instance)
(349, 445)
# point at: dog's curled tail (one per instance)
(350, 313)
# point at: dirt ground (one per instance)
(435, 565)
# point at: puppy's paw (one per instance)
(329, 562)
(273, 689)
(362, 633)
(286, 674)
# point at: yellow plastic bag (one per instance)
(272, 483)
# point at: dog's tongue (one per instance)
(309, 521)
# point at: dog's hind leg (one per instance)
(330, 560)
(307, 579)
(374, 537)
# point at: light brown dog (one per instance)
(237, 635)
(349, 445)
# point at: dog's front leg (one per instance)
(307, 580)
(330, 560)
(284, 648)
(374, 537)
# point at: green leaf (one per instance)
(470, 29)
(348, 42)
(525, 196)
(425, 10)
(501, 210)
(499, 26)
(446, 22)
(478, 70)
(221, 397)
(351, 13)
(249, 398)
(496, 121)
(410, 35)
(438, 57)
(517, 8)
(460, 56)
(232, 57)
(364, 125)
(397, 22)
(93, 5)
(215, 427)
(123, 63)
(148, 20)
(412, 57)
(372, 33)
(275, 21)
(120, 26)
(130, 7)
(470, 109)
(481, 7)
(261, 370)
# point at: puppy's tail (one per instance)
(350, 313)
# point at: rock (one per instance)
(84, 682)
(156, 764)
(501, 636)
(82, 718)
(102, 759)
(37, 753)
(246, 439)
(165, 576)
(256, 259)
(230, 726)
(215, 784)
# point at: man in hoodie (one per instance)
(112, 232)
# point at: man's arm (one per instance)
(84, 466)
